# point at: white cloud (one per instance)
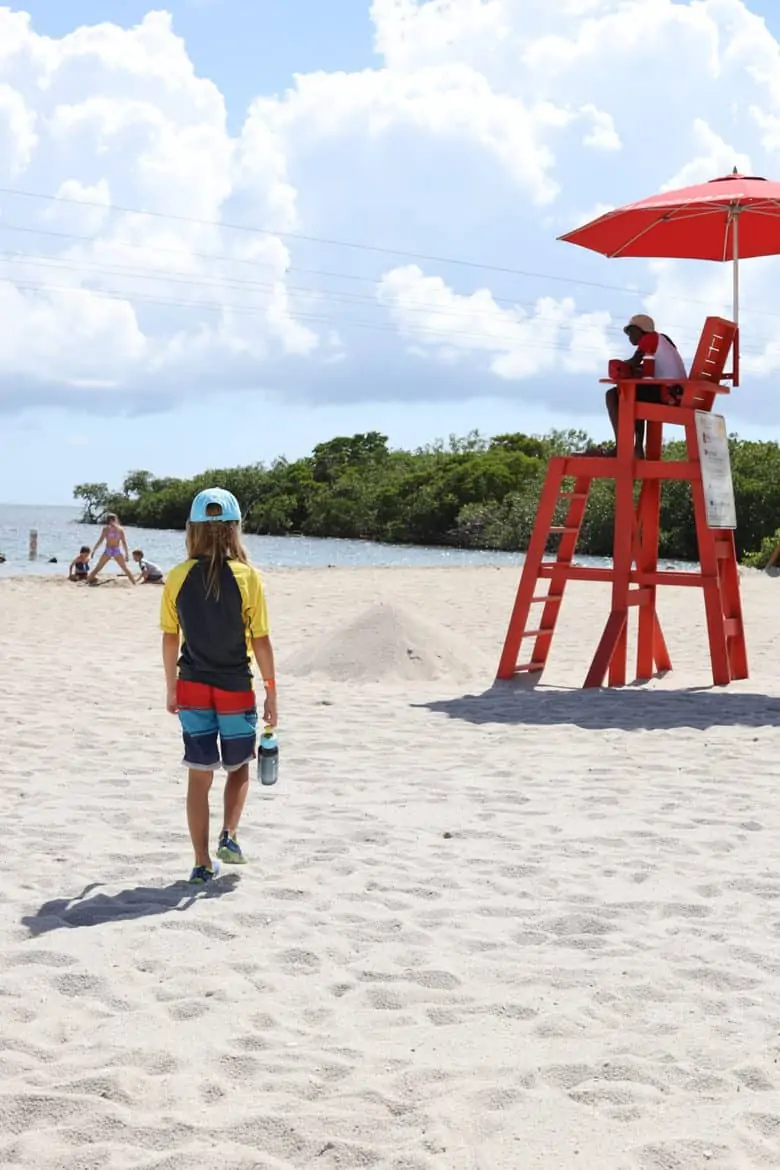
(18, 138)
(81, 208)
(449, 100)
(714, 158)
(512, 342)
(523, 111)
(410, 35)
(602, 134)
(110, 116)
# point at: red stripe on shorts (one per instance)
(193, 695)
(232, 702)
(197, 696)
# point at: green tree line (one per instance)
(472, 492)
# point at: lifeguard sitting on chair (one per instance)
(656, 356)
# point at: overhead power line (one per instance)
(175, 277)
(445, 337)
(323, 240)
(284, 235)
(94, 270)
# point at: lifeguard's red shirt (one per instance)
(660, 357)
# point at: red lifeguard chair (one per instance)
(634, 574)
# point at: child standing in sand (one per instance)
(214, 618)
(116, 548)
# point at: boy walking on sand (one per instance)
(213, 617)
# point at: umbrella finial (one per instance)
(735, 171)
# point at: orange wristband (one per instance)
(269, 684)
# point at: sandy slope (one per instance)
(482, 930)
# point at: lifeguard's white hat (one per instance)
(641, 321)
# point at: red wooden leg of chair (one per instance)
(657, 659)
(729, 585)
(613, 631)
(663, 661)
(623, 545)
(611, 652)
(647, 560)
(661, 655)
(619, 665)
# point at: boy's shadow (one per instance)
(91, 909)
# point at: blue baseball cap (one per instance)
(226, 501)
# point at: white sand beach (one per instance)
(482, 928)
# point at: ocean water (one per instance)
(60, 535)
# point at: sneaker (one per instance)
(229, 850)
(201, 874)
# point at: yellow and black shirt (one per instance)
(216, 632)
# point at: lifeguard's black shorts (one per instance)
(650, 393)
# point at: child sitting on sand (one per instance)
(213, 617)
(150, 573)
(79, 566)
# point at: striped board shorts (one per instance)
(217, 726)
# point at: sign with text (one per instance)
(716, 470)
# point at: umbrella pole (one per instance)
(735, 293)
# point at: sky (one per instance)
(229, 231)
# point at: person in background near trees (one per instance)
(79, 566)
(213, 617)
(774, 557)
(655, 355)
(150, 574)
(116, 548)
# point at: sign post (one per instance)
(719, 505)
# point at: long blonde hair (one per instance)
(218, 541)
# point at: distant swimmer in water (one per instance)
(116, 548)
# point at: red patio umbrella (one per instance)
(731, 218)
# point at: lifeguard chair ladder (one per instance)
(634, 574)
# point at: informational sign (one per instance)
(716, 470)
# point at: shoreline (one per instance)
(7, 572)
(439, 550)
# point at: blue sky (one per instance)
(245, 46)
(415, 168)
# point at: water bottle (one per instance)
(268, 758)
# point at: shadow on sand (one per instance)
(604, 710)
(93, 909)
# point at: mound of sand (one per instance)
(385, 642)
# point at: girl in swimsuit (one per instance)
(116, 548)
